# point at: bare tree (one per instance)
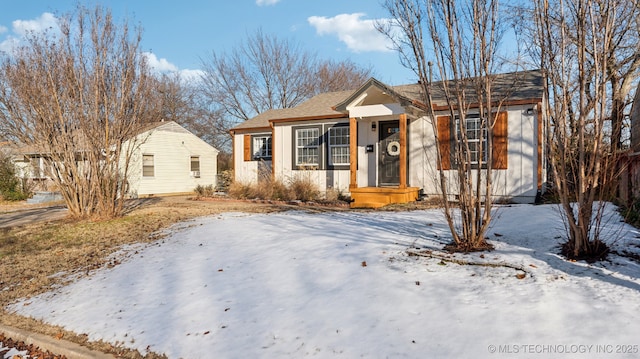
(333, 75)
(461, 39)
(579, 47)
(268, 73)
(623, 62)
(181, 100)
(78, 97)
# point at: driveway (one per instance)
(23, 217)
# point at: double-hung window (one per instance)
(262, 147)
(148, 169)
(307, 147)
(338, 145)
(476, 134)
(195, 166)
(322, 146)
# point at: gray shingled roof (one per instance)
(318, 106)
(513, 86)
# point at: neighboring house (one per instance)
(167, 159)
(377, 143)
(171, 160)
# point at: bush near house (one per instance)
(304, 189)
(11, 187)
(299, 188)
(204, 191)
(266, 190)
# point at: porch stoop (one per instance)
(376, 197)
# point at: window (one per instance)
(339, 145)
(262, 147)
(147, 166)
(322, 147)
(476, 131)
(195, 166)
(307, 147)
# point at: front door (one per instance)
(389, 154)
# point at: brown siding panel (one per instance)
(444, 138)
(500, 139)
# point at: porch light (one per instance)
(373, 126)
(530, 111)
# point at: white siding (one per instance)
(247, 171)
(283, 155)
(518, 182)
(172, 147)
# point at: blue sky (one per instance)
(179, 34)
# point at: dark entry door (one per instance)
(389, 154)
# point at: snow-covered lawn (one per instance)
(341, 285)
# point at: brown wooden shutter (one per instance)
(500, 139)
(247, 147)
(444, 137)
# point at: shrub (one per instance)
(280, 191)
(11, 187)
(304, 189)
(242, 191)
(333, 195)
(204, 191)
(301, 188)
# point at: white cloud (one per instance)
(45, 21)
(163, 66)
(191, 76)
(20, 28)
(358, 34)
(266, 2)
(159, 65)
(9, 44)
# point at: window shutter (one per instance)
(500, 138)
(247, 147)
(444, 136)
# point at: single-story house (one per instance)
(377, 143)
(167, 160)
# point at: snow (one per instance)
(340, 284)
(13, 353)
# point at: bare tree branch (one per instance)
(75, 97)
